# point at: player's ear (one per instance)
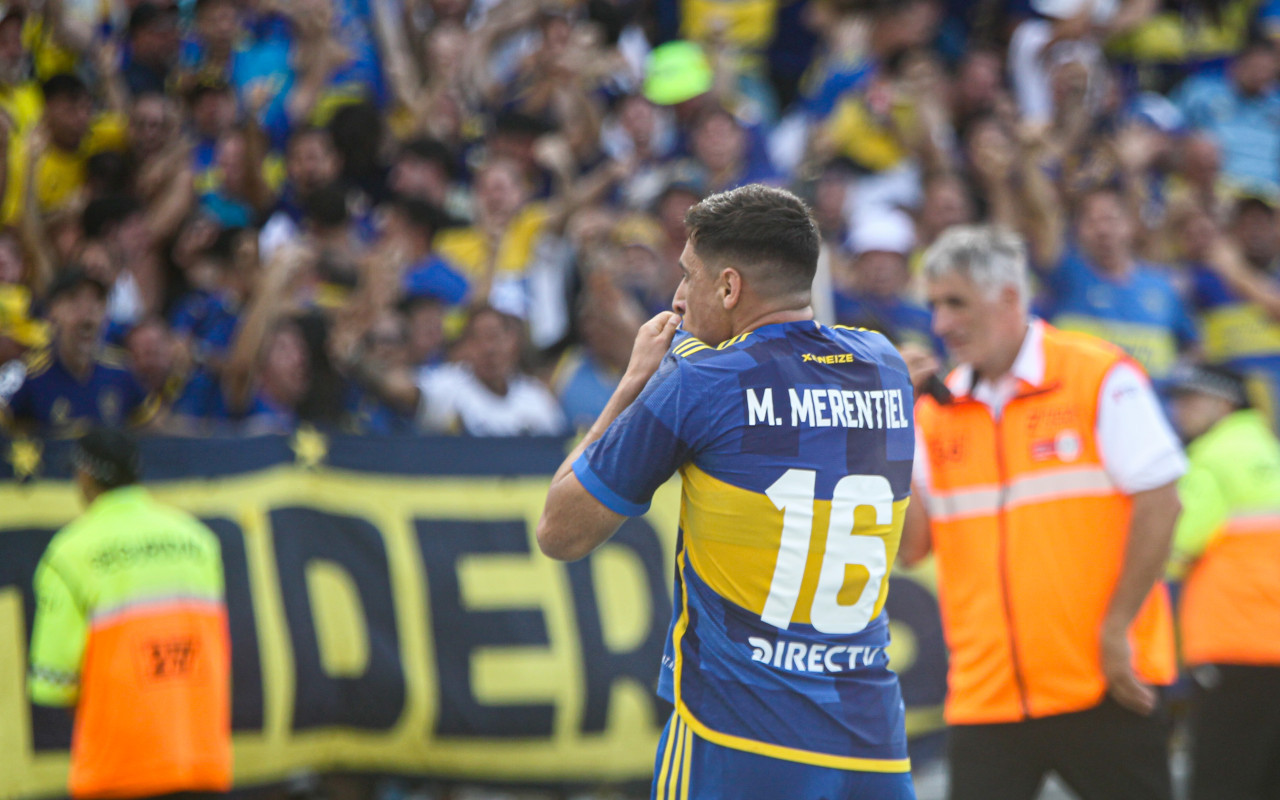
(730, 288)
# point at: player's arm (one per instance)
(574, 522)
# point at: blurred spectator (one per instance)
(153, 47)
(873, 295)
(494, 252)
(55, 168)
(311, 163)
(209, 48)
(1239, 110)
(21, 99)
(1188, 38)
(425, 334)
(484, 393)
(1101, 287)
(586, 375)
(163, 366)
(721, 150)
(1235, 290)
(76, 382)
(385, 347)
(116, 248)
(269, 369)
(412, 225)
(423, 170)
(20, 331)
(207, 314)
(1058, 33)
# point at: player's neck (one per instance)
(771, 317)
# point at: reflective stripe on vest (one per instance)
(1062, 484)
(1252, 522)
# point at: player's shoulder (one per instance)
(866, 344)
(695, 351)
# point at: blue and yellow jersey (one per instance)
(1240, 335)
(795, 445)
(58, 402)
(1141, 312)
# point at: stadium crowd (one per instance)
(382, 216)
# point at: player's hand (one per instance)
(651, 345)
(1122, 682)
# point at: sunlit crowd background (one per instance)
(389, 216)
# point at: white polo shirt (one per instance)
(1136, 443)
(455, 401)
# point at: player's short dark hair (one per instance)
(110, 456)
(64, 85)
(766, 232)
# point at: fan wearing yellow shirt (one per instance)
(74, 135)
(20, 98)
(495, 252)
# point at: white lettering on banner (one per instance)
(830, 408)
(801, 657)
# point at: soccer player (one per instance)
(794, 441)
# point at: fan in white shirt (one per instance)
(484, 393)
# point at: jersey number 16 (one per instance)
(793, 495)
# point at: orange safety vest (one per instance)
(155, 709)
(1029, 535)
(1230, 608)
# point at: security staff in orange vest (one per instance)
(1046, 488)
(131, 631)
(1227, 551)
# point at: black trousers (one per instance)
(1235, 733)
(1104, 753)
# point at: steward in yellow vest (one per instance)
(1227, 550)
(131, 631)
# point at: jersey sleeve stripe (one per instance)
(609, 498)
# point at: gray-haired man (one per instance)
(1046, 490)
